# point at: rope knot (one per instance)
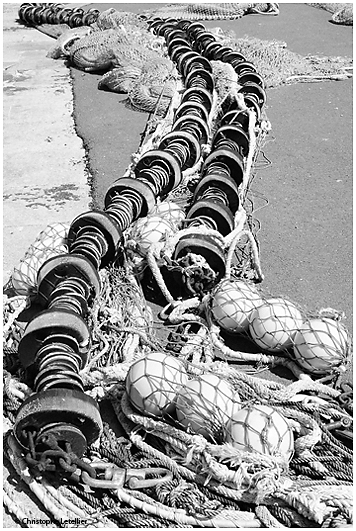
(197, 446)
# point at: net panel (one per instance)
(206, 11)
(278, 65)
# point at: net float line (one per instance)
(56, 342)
(217, 196)
(47, 13)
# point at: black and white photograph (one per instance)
(177, 265)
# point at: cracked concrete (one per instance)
(44, 170)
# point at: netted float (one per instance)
(121, 418)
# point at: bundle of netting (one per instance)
(278, 65)
(319, 343)
(208, 11)
(52, 241)
(121, 329)
(342, 13)
(111, 18)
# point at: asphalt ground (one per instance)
(304, 198)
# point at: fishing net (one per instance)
(342, 13)
(278, 65)
(66, 39)
(138, 65)
(111, 18)
(205, 11)
(52, 241)
(190, 440)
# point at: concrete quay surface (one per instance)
(44, 165)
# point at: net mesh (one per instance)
(94, 52)
(58, 49)
(206, 11)
(262, 429)
(278, 65)
(318, 342)
(153, 382)
(204, 406)
(274, 323)
(342, 13)
(232, 305)
(51, 242)
(320, 345)
(121, 325)
(111, 19)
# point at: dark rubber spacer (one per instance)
(234, 132)
(106, 225)
(207, 247)
(227, 185)
(129, 183)
(253, 88)
(203, 94)
(203, 73)
(194, 146)
(62, 267)
(232, 160)
(218, 212)
(59, 406)
(52, 322)
(202, 126)
(236, 116)
(150, 158)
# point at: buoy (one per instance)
(153, 230)
(205, 405)
(321, 345)
(274, 324)
(171, 212)
(50, 241)
(163, 221)
(233, 303)
(261, 429)
(152, 383)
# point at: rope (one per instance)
(151, 260)
(236, 520)
(268, 520)
(9, 500)
(18, 304)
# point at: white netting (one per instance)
(227, 437)
(232, 305)
(51, 242)
(342, 13)
(278, 65)
(157, 385)
(153, 383)
(211, 11)
(320, 344)
(274, 324)
(257, 428)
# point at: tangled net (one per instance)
(137, 63)
(182, 412)
(342, 13)
(280, 66)
(211, 479)
(204, 11)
